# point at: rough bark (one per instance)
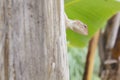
(35, 45)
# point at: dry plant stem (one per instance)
(90, 57)
(113, 32)
(109, 49)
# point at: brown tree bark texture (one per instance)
(35, 45)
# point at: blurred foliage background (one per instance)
(95, 14)
(77, 59)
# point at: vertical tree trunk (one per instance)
(35, 45)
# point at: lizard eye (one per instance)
(85, 26)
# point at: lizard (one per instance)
(76, 25)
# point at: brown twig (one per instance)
(90, 57)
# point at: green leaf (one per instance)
(94, 13)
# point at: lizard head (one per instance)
(79, 27)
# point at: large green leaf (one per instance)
(94, 13)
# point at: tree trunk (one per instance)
(35, 42)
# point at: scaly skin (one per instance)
(76, 26)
